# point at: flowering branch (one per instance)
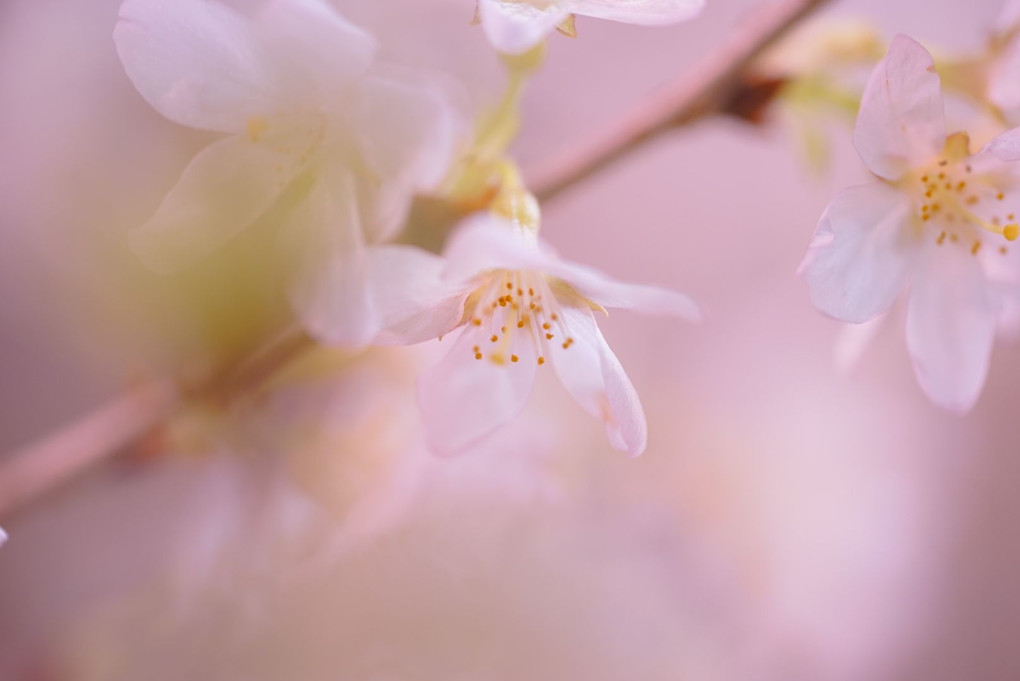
(716, 86)
(712, 87)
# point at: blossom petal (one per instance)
(516, 27)
(3, 536)
(901, 122)
(331, 292)
(196, 62)
(314, 53)
(406, 143)
(951, 320)
(413, 301)
(464, 400)
(861, 254)
(484, 242)
(225, 188)
(648, 12)
(591, 373)
(1006, 146)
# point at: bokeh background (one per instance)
(788, 521)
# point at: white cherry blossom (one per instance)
(312, 131)
(519, 308)
(937, 221)
(516, 26)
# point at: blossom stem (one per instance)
(708, 88)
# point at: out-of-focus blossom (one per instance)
(1003, 79)
(520, 307)
(333, 149)
(938, 219)
(3, 536)
(516, 26)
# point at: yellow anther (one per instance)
(514, 358)
(1011, 231)
(541, 361)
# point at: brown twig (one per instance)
(708, 88)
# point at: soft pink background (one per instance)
(803, 523)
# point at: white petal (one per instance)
(516, 27)
(861, 254)
(225, 188)
(901, 122)
(591, 373)
(950, 327)
(484, 242)
(196, 62)
(1006, 146)
(331, 292)
(3, 536)
(648, 12)
(464, 400)
(314, 53)
(406, 136)
(413, 301)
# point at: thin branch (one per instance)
(117, 426)
(45, 465)
(706, 89)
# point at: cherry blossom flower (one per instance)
(937, 220)
(312, 132)
(520, 307)
(516, 26)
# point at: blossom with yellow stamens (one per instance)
(939, 220)
(521, 307)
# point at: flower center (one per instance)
(515, 313)
(966, 204)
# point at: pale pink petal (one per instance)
(225, 188)
(516, 27)
(648, 12)
(314, 54)
(591, 373)
(950, 327)
(196, 62)
(406, 143)
(901, 122)
(331, 291)
(484, 242)
(413, 301)
(1005, 147)
(3, 536)
(607, 292)
(861, 254)
(464, 400)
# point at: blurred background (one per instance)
(788, 521)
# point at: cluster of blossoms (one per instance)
(334, 149)
(938, 220)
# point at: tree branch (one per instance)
(708, 88)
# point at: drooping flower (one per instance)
(516, 26)
(519, 308)
(938, 220)
(311, 130)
